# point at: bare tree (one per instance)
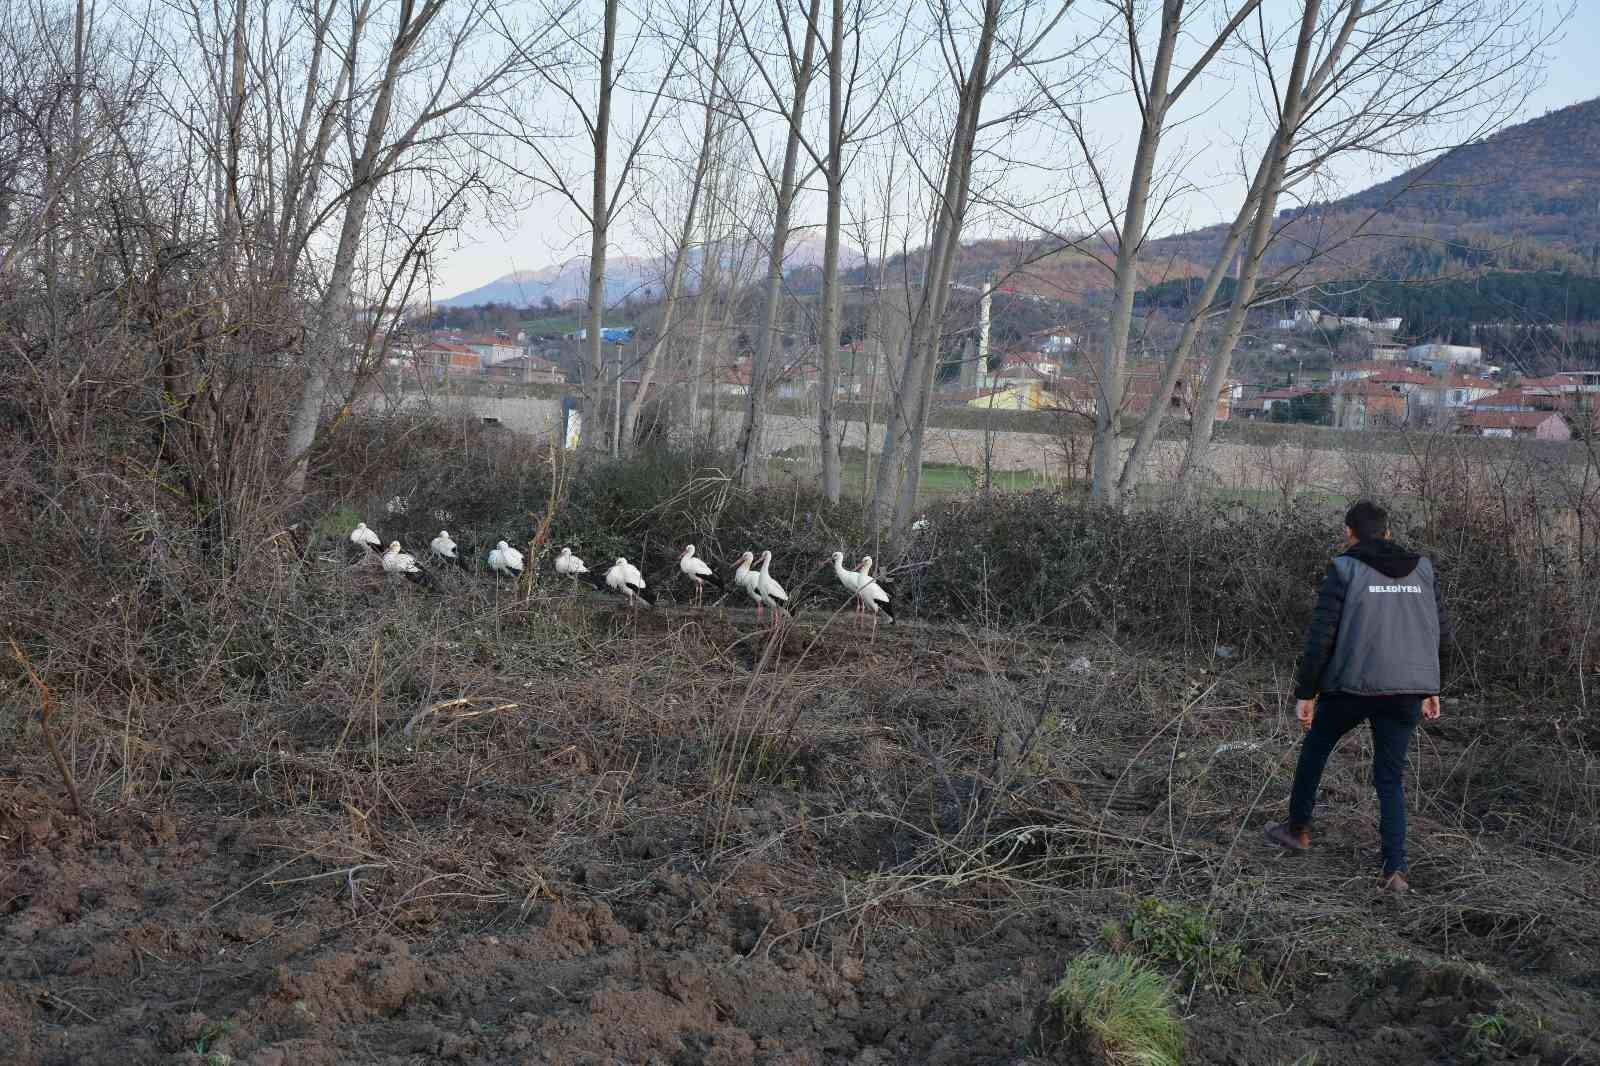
(433, 75)
(1158, 88)
(801, 63)
(711, 135)
(827, 439)
(1346, 77)
(1007, 39)
(886, 315)
(857, 84)
(602, 200)
(1381, 78)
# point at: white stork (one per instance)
(697, 571)
(863, 589)
(745, 578)
(396, 561)
(445, 548)
(865, 566)
(504, 559)
(570, 565)
(769, 590)
(366, 539)
(625, 578)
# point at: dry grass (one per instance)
(445, 764)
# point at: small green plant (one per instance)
(1171, 934)
(1119, 1008)
(338, 522)
(210, 1034)
(1486, 1031)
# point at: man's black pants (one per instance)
(1393, 720)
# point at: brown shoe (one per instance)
(1394, 884)
(1286, 836)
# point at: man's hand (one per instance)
(1305, 710)
(1430, 708)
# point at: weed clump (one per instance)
(1115, 1010)
(1170, 934)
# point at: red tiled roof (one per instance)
(1403, 377)
(1467, 381)
(449, 347)
(1364, 387)
(1505, 419)
(1503, 398)
(1021, 372)
(531, 362)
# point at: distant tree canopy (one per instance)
(484, 318)
(1314, 409)
(1178, 294)
(1534, 298)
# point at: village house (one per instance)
(1029, 397)
(492, 349)
(1024, 368)
(1362, 370)
(1077, 392)
(1515, 398)
(1455, 390)
(1564, 394)
(436, 359)
(1583, 385)
(1260, 406)
(1532, 425)
(1441, 358)
(1368, 404)
(524, 370)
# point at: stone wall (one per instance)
(1252, 458)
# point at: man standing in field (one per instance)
(1371, 655)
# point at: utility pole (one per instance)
(983, 381)
(983, 333)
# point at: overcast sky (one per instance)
(546, 234)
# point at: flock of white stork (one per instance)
(752, 573)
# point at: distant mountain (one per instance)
(1525, 198)
(566, 281)
(625, 275)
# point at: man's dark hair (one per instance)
(1367, 520)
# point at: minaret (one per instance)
(983, 335)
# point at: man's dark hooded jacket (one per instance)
(1375, 631)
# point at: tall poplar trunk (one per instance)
(599, 228)
(906, 424)
(680, 256)
(1108, 399)
(748, 452)
(827, 439)
(1205, 414)
(323, 342)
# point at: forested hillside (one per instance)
(1525, 198)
